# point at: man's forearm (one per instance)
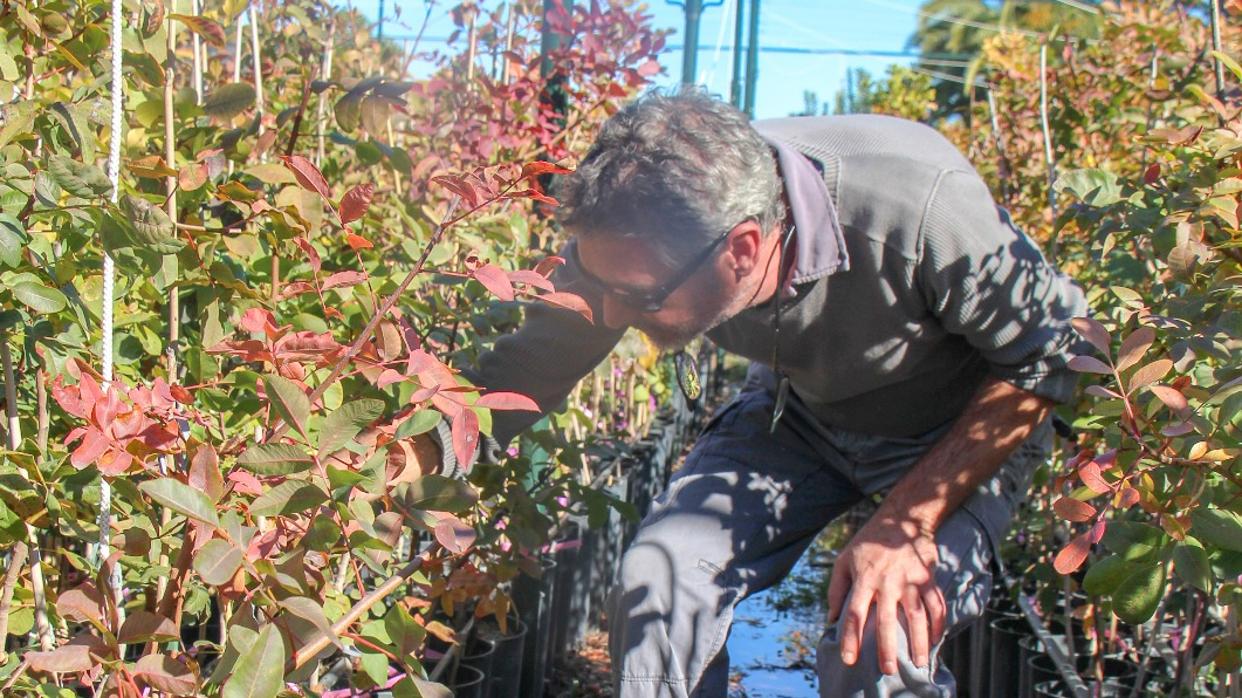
(998, 418)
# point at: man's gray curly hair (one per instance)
(676, 168)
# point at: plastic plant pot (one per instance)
(1119, 674)
(980, 631)
(1051, 689)
(1003, 664)
(533, 598)
(469, 682)
(479, 654)
(564, 609)
(506, 657)
(955, 655)
(1028, 647)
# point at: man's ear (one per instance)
(745, 248)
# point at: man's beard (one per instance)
(672, 339)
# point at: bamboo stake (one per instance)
(237, 61)
(1216, 46)
(170, 189)
(257, 58)
(196, 45)
(472, 42)
(504, 67)
(326, 74)
(47, 641)
(43, 423)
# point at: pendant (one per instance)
(687, 375)
(782, 396)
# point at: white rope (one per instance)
(109, 274)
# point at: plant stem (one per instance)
(325, 74)
(314, 647)
(46, 639)
(257, 59)
(17, 559)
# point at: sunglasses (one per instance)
(651, 300)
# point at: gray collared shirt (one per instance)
(912, 287)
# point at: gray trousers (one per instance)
(739, 514)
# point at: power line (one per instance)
(963, 58)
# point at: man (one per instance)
(905, 339)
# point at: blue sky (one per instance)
(816, 24)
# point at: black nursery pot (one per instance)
(1006, 657)
(469, 682)
(479, 654)
(1028, 647)
(533, 598)
(1119, 674)
(506, 657)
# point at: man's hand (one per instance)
(890, 564)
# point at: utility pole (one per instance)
(735, 88)
(752, 58)
(381, 19)
(690, 47)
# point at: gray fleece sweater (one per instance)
(909, 287)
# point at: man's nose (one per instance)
(617, 315)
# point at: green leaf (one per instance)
(78, 178)
(1191, 563)
(1217, 527)
(153, 229)
(182, 499)
(340, 427)
(1138, 595)
(275, 459)
(289, 401)
(440, 493)
(312, 612)
(12, 239)
(1106, 574)
(1133, 540)
(1228, 61)
(289, 497)
(375, 666)
(1093, 187)
(421, 423)
(261, 670)
(40, 298)
(229, 100)
(217, 561)
(403, 632)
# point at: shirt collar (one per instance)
(820, 242)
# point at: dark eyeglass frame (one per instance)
(651, 301)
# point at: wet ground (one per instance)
(775, 632)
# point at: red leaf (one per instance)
(453, 533)
(1152, 174)
(507, 401)
(67, 659)
(355, 203)
(539, 167)
(465, 430)
(357, 242)
(307, 175)
(569, 301)
(651, 67)
(83, 603)
(343, 278)
(531, 278)
(245, 483)
(1172, 398)
(1089, 364)
(1097, 531)
(1071, 509)
(180, 394)
(1093, 332)
(93, 445)
(311, 253)
(547, 265)
(1073, 555)
(495, 280)
(387, 377)
(459, 187)
(258, 320)
(1128, 497)
(1090, 476)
